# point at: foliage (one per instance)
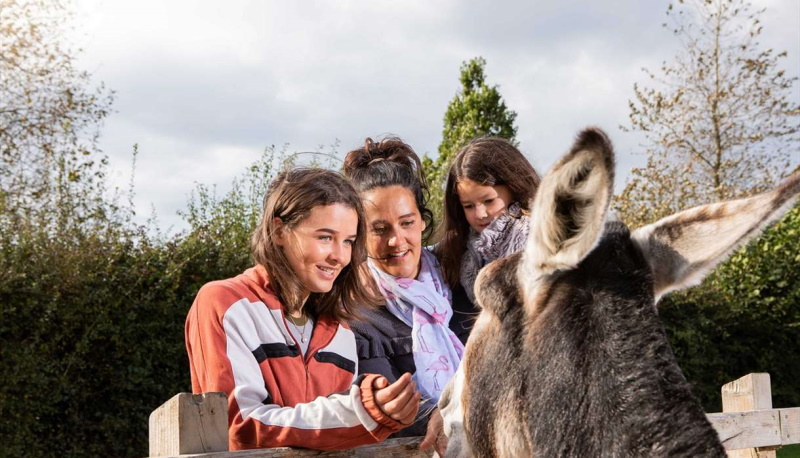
(476, 110)
(92, 319)
(744, 318)
(50, 116)
(721, 125)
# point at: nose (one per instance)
(480, 212)
(392, 240)
(337, 254)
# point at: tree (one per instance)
(50, 116)
(721, 124)
(477, 109)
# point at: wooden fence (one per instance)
(197, 425)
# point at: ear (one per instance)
(279, 233)
(568, 211)
(683, 248)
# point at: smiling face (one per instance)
(482, 204)
(320, 246)
(394, 230)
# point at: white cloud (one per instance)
(204, 86)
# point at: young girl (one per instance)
(422, 327)
(274, 338)
(487, 197)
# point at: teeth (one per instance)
(326, 270)
(398, 255)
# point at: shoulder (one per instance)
(218, 296)
(380, 334)
(377, 323)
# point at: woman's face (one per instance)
(394, 230)
(320, 246)
(482, 204)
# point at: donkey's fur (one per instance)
(568, 356)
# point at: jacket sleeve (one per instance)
(221, 360)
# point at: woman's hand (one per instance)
(400, 400)
(435, 436)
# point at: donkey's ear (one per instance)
(683, 248)
(568, 211)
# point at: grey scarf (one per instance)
(504, 236)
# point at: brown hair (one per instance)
(291, 196)
(390, 162)
(489, 161)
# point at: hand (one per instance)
(400, 400)
(435, 436)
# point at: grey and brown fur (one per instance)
(568, 357)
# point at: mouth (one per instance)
(327, 272)
(395, 257)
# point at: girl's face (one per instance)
(394, 230)
(320, 246)
(482, 204)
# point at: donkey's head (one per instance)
(568, 357)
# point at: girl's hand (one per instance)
(400, 400)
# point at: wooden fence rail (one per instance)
(197, 426)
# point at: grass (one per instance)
(789, 451)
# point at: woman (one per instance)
(274, 338)
(422, 329)
(487, 195)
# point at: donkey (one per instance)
(568, 356)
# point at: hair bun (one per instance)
(390, 149)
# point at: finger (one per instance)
(380, 383)
(397, 404)
(441, 445)
(430, 437)
(427, 442)
(384, 395)
(409, 412)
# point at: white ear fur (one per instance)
(683, 248)
(568, 211)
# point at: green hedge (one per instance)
(744, 318)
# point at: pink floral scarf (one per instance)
(424, 304)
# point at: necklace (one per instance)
(302, 332)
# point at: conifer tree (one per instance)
(477, 109)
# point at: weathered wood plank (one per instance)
(391, 448)
(743, 430)
(751, 392)
(790, 426)
(190, 423)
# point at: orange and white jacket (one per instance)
(238, 342)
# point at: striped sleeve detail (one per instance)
(328, 422)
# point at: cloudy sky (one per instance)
(203, 87)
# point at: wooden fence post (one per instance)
(190, 423)
(751, 392)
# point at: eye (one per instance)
(350, 242)
(467, 206)
(378, 230)
(407, 223)
(325, 238)
(488, 201)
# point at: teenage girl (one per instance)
(275, 338)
